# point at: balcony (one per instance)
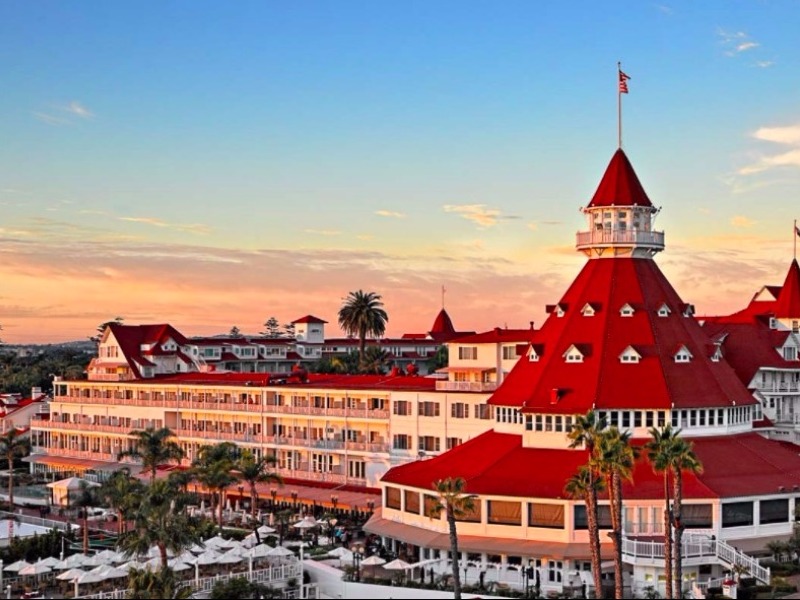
(626, 237)
(466, 386)
(353, 413)
(792, 387)
(86, 427)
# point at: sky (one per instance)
(213, 164)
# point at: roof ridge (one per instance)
(606, 332)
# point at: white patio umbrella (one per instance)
(219, 543)
(108, 556)
(17, 566)
(249, 541)
(87, 578)
(259, 551)
(373, 561)
(209, 557)
(116, 573)
(75, 560)
(279, 551)
(94, 561)
(230, 558)
(306, 523)
(340, 551)
(179, 566)
(398, 564)
(266, 530)
(197, 549)
(70, 574)
(50, 561)
(35, 569)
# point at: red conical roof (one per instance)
(788, 303)
(442, 327)
(655, 331)
(620, 186)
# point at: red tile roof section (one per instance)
(497, 464)
(497, 336)
(788, 303)
(748, 347)
(309, 319)
(601, 381)
(131, 338)
(620, 186)
(442, 329)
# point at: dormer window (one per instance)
(789, 353)
(630, 356)
(626, 310)
(683, 355)
(573, 355)
(533, 355)
(559, 311)
(717, 355)
(773, 323)
(688, 310)
(588, 310)
(663, 310)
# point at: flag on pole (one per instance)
(797, 230)
(623, 82)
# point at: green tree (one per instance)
(452, 499)
(121, 492)
(235, 332)
(161, 521)
(288, 330)
(362, 315)
(375, 360)
(272, 328)
(239, 588)
(214, 470)
(615, 458)
(146, 584)
(439, 360)
(86, 497)
(102, 328)
(255, 470)
(585, 485)
(153, 447)
(13, 446)
(683, 459)
(585, 433)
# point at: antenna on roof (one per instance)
(443, 291)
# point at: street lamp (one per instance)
(358, 554)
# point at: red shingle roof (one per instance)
(497, 464)
(442, 329)
(620, 186)
(497, 336)
(601, 380)
(131, 338)
(788, 303)
(309, 319)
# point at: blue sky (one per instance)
(278, 155)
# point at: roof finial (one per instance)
(443, 291)
(796, 233)
(622, 88)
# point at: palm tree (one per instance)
(214, 469)
(146, 584)
(121, 492)
(456, 504)
(659, 453)
(13, 446)
(615, 458)
(153, 447)
(87, 496)
(586, 431)
(683, 459)
(256, 470)
(585, 485)
(361, 315)
(159, 521)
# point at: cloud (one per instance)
(64, 114)
(77, 109)
(764, 64)
(50, 119)
(196, 228)
(787, 135)
(663, 9)
(479, 214)
(742, 221)
(329, 232)
(390, 214)
(736, 42)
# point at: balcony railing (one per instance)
(628, 237)
(466, 386)
(87, 427)
(792, 387)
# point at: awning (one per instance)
(81, 464)
(426, 538)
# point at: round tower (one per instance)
(620, 216)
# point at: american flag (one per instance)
(623, 83)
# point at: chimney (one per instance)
(531, 322)
(555, 395)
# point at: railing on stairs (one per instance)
(735, 558)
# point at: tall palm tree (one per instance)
(214, 470)
(615, 458)
(254, 471)
(13, 446)
(153, 447)
(361, 315)
(683, 459)
(660, 449)
(159, 521)
(586, 432)
(585, 485)
(451, 497)
(121, 492)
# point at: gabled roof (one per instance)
(309, 319)
(602, 381)
(788, 302)
(620, 186)
(498, 464)
(748, 347)
(131, 338)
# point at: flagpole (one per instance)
(794, 237)
(619, 106)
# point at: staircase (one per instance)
(695, 547)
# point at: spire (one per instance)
(620, 186)
(788, 303)
(442, 325)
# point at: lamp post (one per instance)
(358, 554)
(334, 501)
(274, 493)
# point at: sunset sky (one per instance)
(211, 164)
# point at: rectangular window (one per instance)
(401, 407)
(637, 418)
(626, 420)
(452, 442)
(468, 353)
(428, 409)
(393, 497)
(401, 441)
(774, 511)
(509, 352)
(549, 516)
(459, 410)
(662, 418)
(697, 516)
(503, 512)
(473, 516)
(603, 516)
(429, 443)
(412, 502)
(430, 503)
(357, 469)
(737, 514)
(648, 418)
(483, 411)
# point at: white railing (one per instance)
(466, 386)
(733, 557)
(700, 588)
(627, 236)
(778, 387)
